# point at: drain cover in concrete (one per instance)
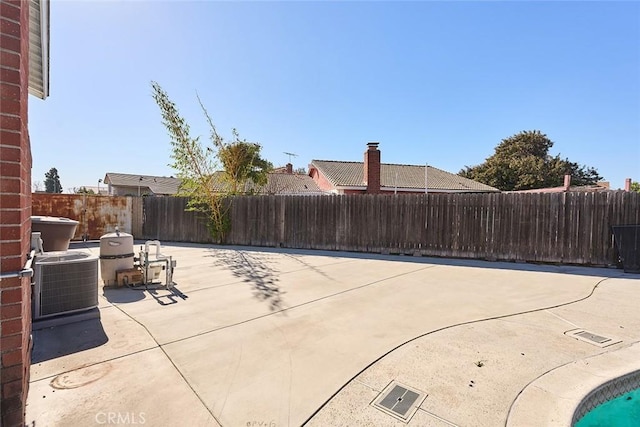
(591, 338)
(399, 401)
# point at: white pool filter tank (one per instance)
(116, 253)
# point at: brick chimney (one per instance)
(627, 185)
(372, 168)
(289, 168)
(567, 182)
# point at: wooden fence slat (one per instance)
(533, 227)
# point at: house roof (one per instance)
(290, 183)
(39, 48)
(562, 189)
(157, 184)
(403, 177)
(278, 183)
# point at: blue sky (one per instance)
(434, 82)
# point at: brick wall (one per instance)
(15, 210)
(320, 179)
(372, 168)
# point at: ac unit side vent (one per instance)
(65, 287)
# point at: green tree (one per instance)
(523, 162)
(243, 169)
(52, 181)
(635, 186)
(83, 190)
(208, 190)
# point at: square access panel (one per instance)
(591, 338)
(399, 401)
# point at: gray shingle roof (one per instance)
(409, 177)
(157, 184)
(290, 183)
(279, 183)
(562, 189)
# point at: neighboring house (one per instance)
(24, 49)
(372, 176)
(100, 190)
(567, 187)
(124, 184)
(280, 181)
(290, 183)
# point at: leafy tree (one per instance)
(635, 186)
(243, 168)
(83, 190)
(52, 181)
(523, 162)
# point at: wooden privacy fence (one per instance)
(535, 227)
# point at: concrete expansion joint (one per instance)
(367, 386)
(222, 348)
(175, 367)
(537, 310)
(284, 310)
(439, 418)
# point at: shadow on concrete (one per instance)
(61, 340)
(306, 265)
(123, 295)
(158, 292)
(253, 271)
(578, 270)
(165, 296)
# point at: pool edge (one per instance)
(554, 398)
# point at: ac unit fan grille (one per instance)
(67, 287)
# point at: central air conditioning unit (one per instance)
(65, 282)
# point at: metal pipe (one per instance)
(426, 175)
(27, 271)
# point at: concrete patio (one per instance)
(259, 336)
